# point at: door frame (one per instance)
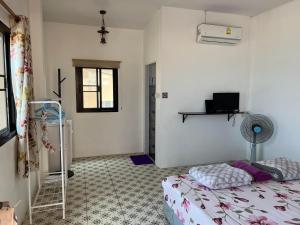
(146, 136)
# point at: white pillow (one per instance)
(290, 170)
(220, 176)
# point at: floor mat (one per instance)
(141, 159)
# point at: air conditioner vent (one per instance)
(228, 35)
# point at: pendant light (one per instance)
(103, 30)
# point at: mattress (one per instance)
(268, 203)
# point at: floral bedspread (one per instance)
(266, 203)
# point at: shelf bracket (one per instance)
(230, 116)
(184, 117)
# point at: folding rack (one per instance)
(51, 194)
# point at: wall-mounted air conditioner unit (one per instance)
(228, 35)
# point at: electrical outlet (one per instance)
(165, 95)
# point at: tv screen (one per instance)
(226, 102)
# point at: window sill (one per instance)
(7, 138)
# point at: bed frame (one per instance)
(170, 215)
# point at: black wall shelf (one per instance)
(186, 114)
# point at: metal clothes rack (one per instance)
(51, 194)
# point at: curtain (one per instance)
(22, 82)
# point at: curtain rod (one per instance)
(8, 9)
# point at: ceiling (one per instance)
(135, 14)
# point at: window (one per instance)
(97, 89)
(7, 106)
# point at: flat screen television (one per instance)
(226, 102)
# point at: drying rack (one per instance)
(51, 193)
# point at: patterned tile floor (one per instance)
(110, 190)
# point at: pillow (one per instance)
(257, 174)
(220, 176)
(281, 169)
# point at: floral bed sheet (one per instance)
(265, 203)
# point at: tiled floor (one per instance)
(110, 190)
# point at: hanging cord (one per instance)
(198, 30)
(103, 22)
(17, 204)
(234, 120)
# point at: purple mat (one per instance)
(141, 159)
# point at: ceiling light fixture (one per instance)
(103, 30)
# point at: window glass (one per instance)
(97, 90)
(3, 111)
(7, 105)
(1, 55)
(89, 100)
(2, 80)
(89, 77)
(107, 88)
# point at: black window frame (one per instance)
(79, 91)
(10, 131)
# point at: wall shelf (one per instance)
(186, 114)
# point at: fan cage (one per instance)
(257, 119)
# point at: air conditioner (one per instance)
(228, 35)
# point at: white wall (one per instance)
(152, 35)
(99, 133)
(37, 40)
(13, 188)
(190, 73)
(275, 68)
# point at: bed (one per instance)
(266, 203)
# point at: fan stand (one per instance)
(253, 153)
(253, 146)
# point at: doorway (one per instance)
(151, 89)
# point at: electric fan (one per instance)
(256, 129)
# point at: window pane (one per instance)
(3, 116)
(89, 77)
(2, 86)
(99, 99)
(107, 88)
(89, 88)
(1, 55)
(89, 100)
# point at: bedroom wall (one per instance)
(37, 40)
(151, 42)
(190, 73)
(99, 133)
(14, 188)
(275, 76)
(152, 39)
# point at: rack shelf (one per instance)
(186, 114)
(51, 194)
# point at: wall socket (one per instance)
(165, 95)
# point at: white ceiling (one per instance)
(136, 13)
